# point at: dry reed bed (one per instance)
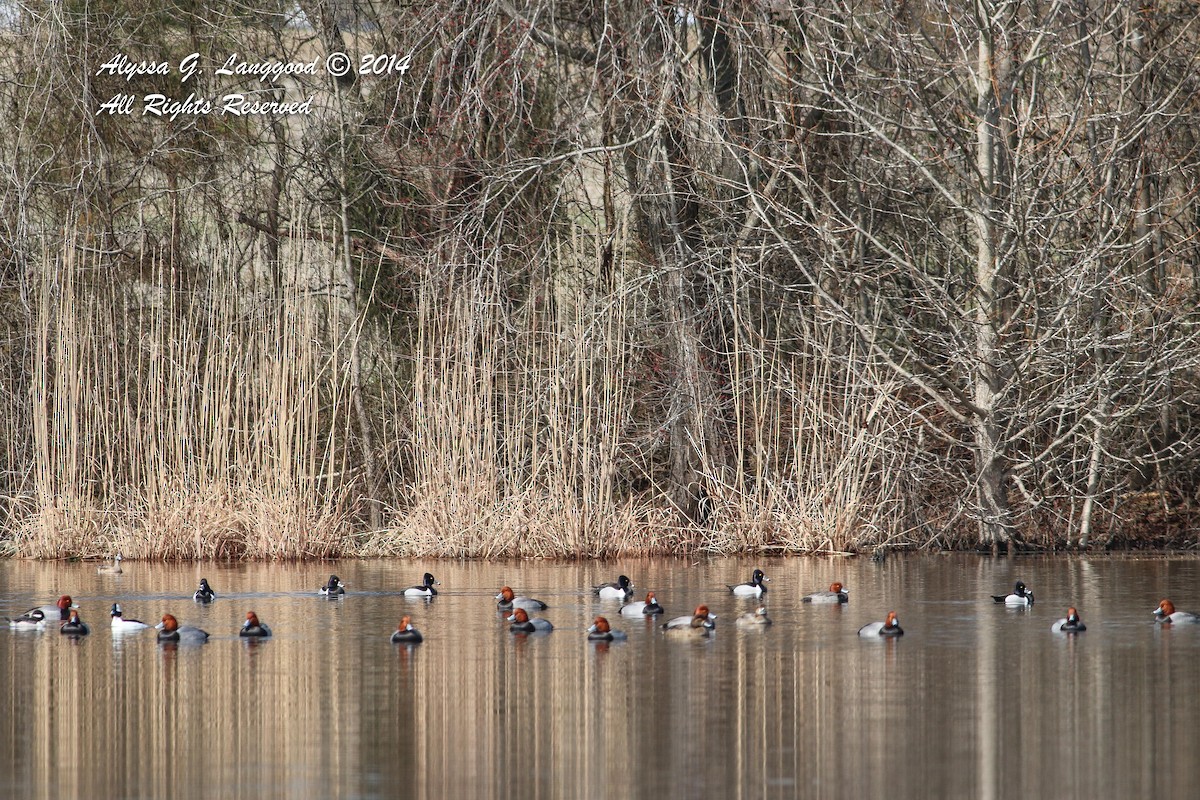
(219, 424)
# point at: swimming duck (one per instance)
(522, 623)
(889, 627)
(753, 619)
(406, 633)
(36, 618)
(700, 626)
(754, 588)
(1167, 615)
(1070, 624)
(333, 587)
(204, 594)
(112, 569)
(506, 600)
(254, 628)
(836, 594)
(60, 611)
(33, 619)
(119, 623)
(170, 631)
(1020, 596)
(621, 590)
(74, 626)
(601, 632)
(685, 622)
(424, 590)
(642, 608)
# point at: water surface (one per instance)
(974, 701)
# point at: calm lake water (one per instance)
(975, 701)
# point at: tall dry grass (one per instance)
(170, 424)
(218, 422)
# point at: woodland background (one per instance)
(597, 278)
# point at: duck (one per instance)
(523, 623)
(684, 622)
(699, 626)
(642, 608)
(602, 632)
(837, 594)
(74, 626)
(753, 619)
(621, 590)
(204, 594)
(1167, 615)
(119, 623)
(1070, 624)
(333, 587)
(254, 628)
(424, 590)
(506, 600)
(60, 611)
(33, 619)
(170, 631)
(111, 569)
(889, 627)
(406, 633)
(1020, 596)
(754, 588)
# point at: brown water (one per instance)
(974, 701)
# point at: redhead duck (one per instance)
(1020, 596)
(601, 632)
(685, 622)
(642, 608)
(204, 594)
(1070, 624)
(754, 588)
(171, 631)
(1167, 615)
(753, 619)
(522, 623)
(119, 623)
(406, 633)
(889, 627)
(425, 589)
(111, 569)
(333, 587)
(700, 626)
(254, 628)
(621, 590)
(74, 626)
(836, 594)
(39, 616)
(507, 600)
(59, 611)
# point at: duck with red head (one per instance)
(171, 631)
(837, 594)
(253, 628)
(700, 626)
(686, 622)
(74, 626)
(889, 627)
(1167, 615)
(37, 617)
(1070, 623)
(642, 608)
(602, 632)
(406, 633)
(507, 600)
(523, 623)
